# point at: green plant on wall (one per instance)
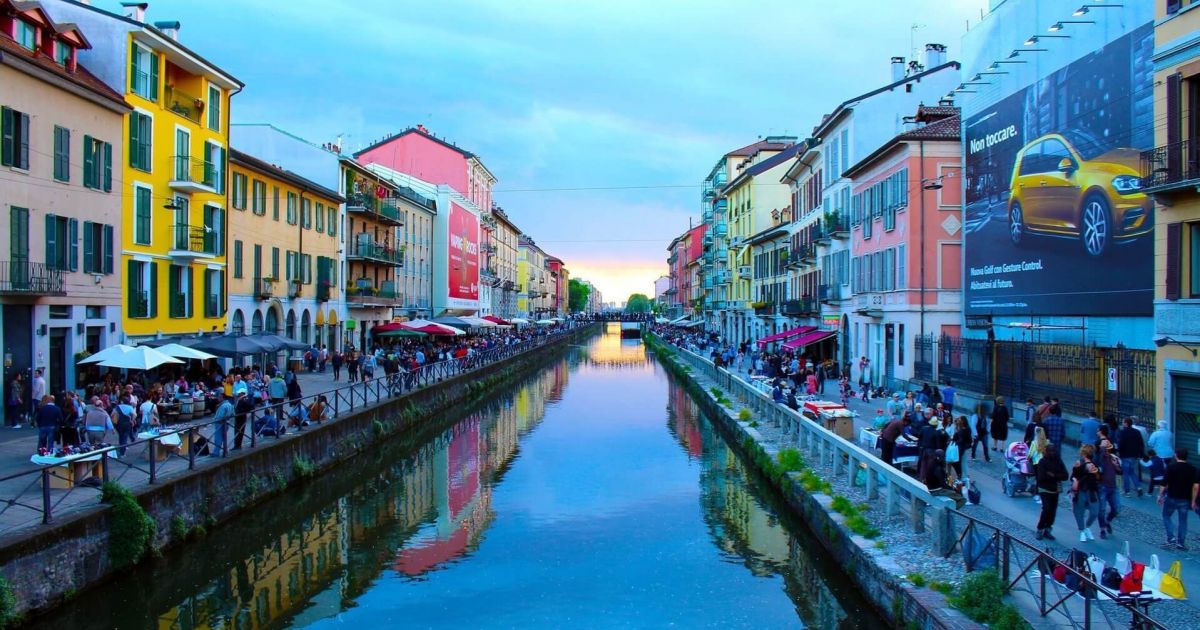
(130, 528)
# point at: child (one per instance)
(844, 385)
(1158, 469)
(880, 420)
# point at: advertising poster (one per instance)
(1055, 221)
(463, 258)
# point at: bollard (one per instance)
(104, 467)
(942, 519)
(192, 447)
(153, 461)
(45, 495)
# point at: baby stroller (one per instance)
(1018, 474)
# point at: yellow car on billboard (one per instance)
(1067, 185)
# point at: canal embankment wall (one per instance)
(48, 566)
(875, 573)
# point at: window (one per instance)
(62, 54)
(214, 230)
(141, 134)
(305, 268)
(142, 281)
(214, 155)
(237, 259)
(258, 197)
(901, 279)
(60, 311)
(866, 226)
(291, 208)
(144, 72)
(26, 34)
(258, 250)
(179, 291)
(306, 213)
(141, 215)
(97, 248)
(93, 312)
(239, 191)
(845, 151)
(97, 164)
(62, 245)
(214, 293)
(332, 221)
(214, 108)
(62, 154)
(15, 138)
(900, 345)
(320, 217)
(275, 203)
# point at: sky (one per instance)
(599, 118)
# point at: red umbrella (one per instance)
(387, 327)
(497, 320)
(435, 329)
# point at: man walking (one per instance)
(37, 389)
(277, 392)
(948, 393)
(1089, 429)
(864, 378)
(221, 426)
(1131, 447)
(1177, 497)
(336, 362)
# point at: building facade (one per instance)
(284, 275)
(1172, 175)
(504, 259)
(60, 288)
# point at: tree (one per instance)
(578, 294)
(637, 303)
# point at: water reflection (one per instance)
(563, 501)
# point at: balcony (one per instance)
(837, 225)
(720, 229)
(808, 254)
(800, 308)
(365, 294)
(821, 234)
(745, 272)
(264, 288)
(324, 288)
(193, 175)
(830, 294)
(708, 282)
(192, 241)
(366, 249)
(186, 105)
(1172, 169)
(384, 210)
(21, 277)
(139, 306)
(706, 213)
(763, 308)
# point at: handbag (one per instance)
(1111, 578)
(1132, 582)
(1123, 564)
(974, 496)
(1172, 585)
(952, 453)
(1152, 577)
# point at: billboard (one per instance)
(1055, 221)
(463, 258)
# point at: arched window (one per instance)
(290, 331)
(305, 326)
(272, 321)
(256, 323)
(239, 323)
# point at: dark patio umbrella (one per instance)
(279, 342)
(232, 346)
(454, 321)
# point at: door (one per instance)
(183, 155)
(58, 360)
(182, 233)
(18, 345)
(1186, 425)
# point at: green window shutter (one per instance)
(190, 300)
(108, 249)
(237, 259)
(207, 292)
(153, 76)
(275, 263)
(51, 242)
(131, 272)
(107, 167)
(133, 67)
(73, 244)
(142, 216)
(62, 145)
(289, 266)
(7, 129)
(89, 248)
(333, 221)
(22, 148)
(153, 289)
(172, 291)
(257, 261)
(221, 169)
(89, 164)
(275, 204)
(134, 142)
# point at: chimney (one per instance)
(170, 29)
(897, 68)
(135, 11)
(935, 55)
(914, 67)
(946, 102)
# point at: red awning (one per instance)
(387, 327)
(787, 334)
(497, 320)
(809, 339)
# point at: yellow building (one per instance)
(1173, 180)
(173, 175)
(283, 253)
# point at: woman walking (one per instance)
(961, 437)
(1085, 486)
(999, 425)
(1050, 474)
(980, 420)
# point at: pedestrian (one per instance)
(888, 437)
(935, 473)
(864, 378)
(123, 416)
(293, 389)
(322, 359)
(336, 362)
(1110, 468)
(277, 393)
(1056, 428)
(37, 389)
(1177, 497)
(221, 426)
(96, 422)
(1131, 448)
(49, 419)
(15, 407)
(1089, 429)
(1157, 467)
(1162, 441)
(352, 366)
(1085, 499)
(1050, 473)
(961, 437)
(243, 407)
(980, 420)
(894, 406)
(999, 425)
(948, 394)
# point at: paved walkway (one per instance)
(1139, 520)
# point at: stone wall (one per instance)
(47, 566)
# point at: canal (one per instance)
(595, 493)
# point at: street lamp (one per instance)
(1058, 26)
(1083, 10)
(1033, 39)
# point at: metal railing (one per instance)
(184, 104)
(1027, 572)
(33, 491)
(30, 278)
(195, 171)
(925, 512)
(264, 288)
(194, 238)
(1175, 165)
(178, 305)
(370, 250)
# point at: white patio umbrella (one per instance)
(107, 353)
(478, 321)
(546, 322)
(184, 352)
(518, 320)
(139, 358)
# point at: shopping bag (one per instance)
(1172, 583)
(1096, 567)
(979, 551)
(1132, 582)
(1152, 576)
(952, 453)
(1123, 564)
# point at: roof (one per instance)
(767, 164)
(761, 145)
(249, 161)
(771, 233)
(829, 119)
(944, 129)
(419, 132)
(930, 112)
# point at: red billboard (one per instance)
(464, 258)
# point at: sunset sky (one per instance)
(600, 119)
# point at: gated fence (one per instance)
(1083, 378)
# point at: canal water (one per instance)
(594, 494)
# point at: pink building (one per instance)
(906, 243)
